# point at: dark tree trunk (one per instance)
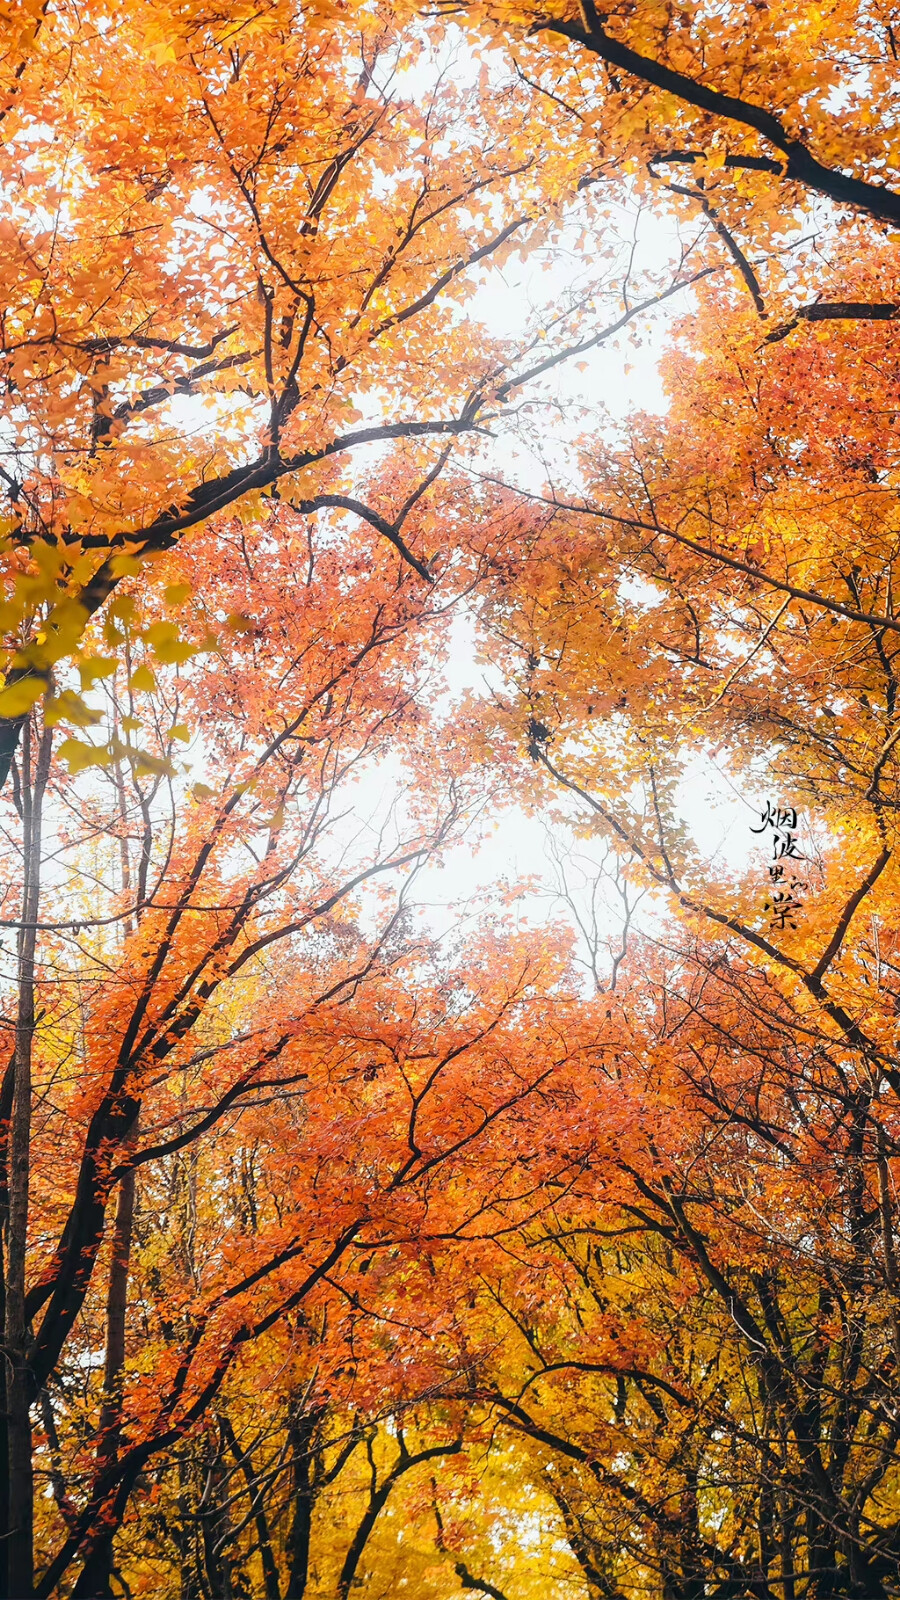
(303, 1425)
(19, 1532)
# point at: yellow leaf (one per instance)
(36, 656)
(142, 762)
(48, 557)
(180, 730)
(78, 755)
(168, 646)
(20, 697)
(81, 568)
(95, 667)
(174, 651)
(69, 707)
(124, 566)
(31, 591)
(65, 625)
(177, 593)
(142, 679)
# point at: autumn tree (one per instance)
(720, 583)
(249, 1072)
(245, 290)
(338, 1247)
(226, 291)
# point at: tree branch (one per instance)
(800, 164)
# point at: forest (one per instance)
(449, 808)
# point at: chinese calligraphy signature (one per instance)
(784, 902)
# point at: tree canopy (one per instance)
(418, 421)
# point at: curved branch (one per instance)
(479, 1585)
(729, 241)
(800, 164)
(850, 613)
(204, 501)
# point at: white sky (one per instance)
(620, 379)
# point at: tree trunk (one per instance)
(303, 1425)
(94, 1582)
(6, 1101)
(243, 1461)
(95, 1579)
(19, 1396)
